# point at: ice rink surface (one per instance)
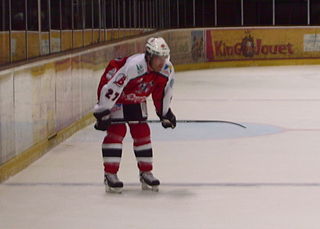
(213, 175)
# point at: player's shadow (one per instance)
(134, 190)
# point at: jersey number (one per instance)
(110, 93)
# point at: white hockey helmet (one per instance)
(157, 46)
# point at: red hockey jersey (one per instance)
(128, 81)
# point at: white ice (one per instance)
(213, 175)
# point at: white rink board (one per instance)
(266, 176)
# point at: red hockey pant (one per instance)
(112, 146)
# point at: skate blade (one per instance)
(154, 188)
(113, 190)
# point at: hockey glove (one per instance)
(169, 120)
(103, 120)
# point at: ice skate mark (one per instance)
(56, 184)
(173, 184)
(249, 100)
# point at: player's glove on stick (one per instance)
(168, 120)
(103, 120)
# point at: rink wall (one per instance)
(44, 102)
(249, 46)
(38, 43)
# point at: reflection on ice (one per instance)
(207, 131)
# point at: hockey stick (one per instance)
(186, 121)
(202, 121)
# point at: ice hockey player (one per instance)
(122, 92)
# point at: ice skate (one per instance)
(149, 182)
(112, 183)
